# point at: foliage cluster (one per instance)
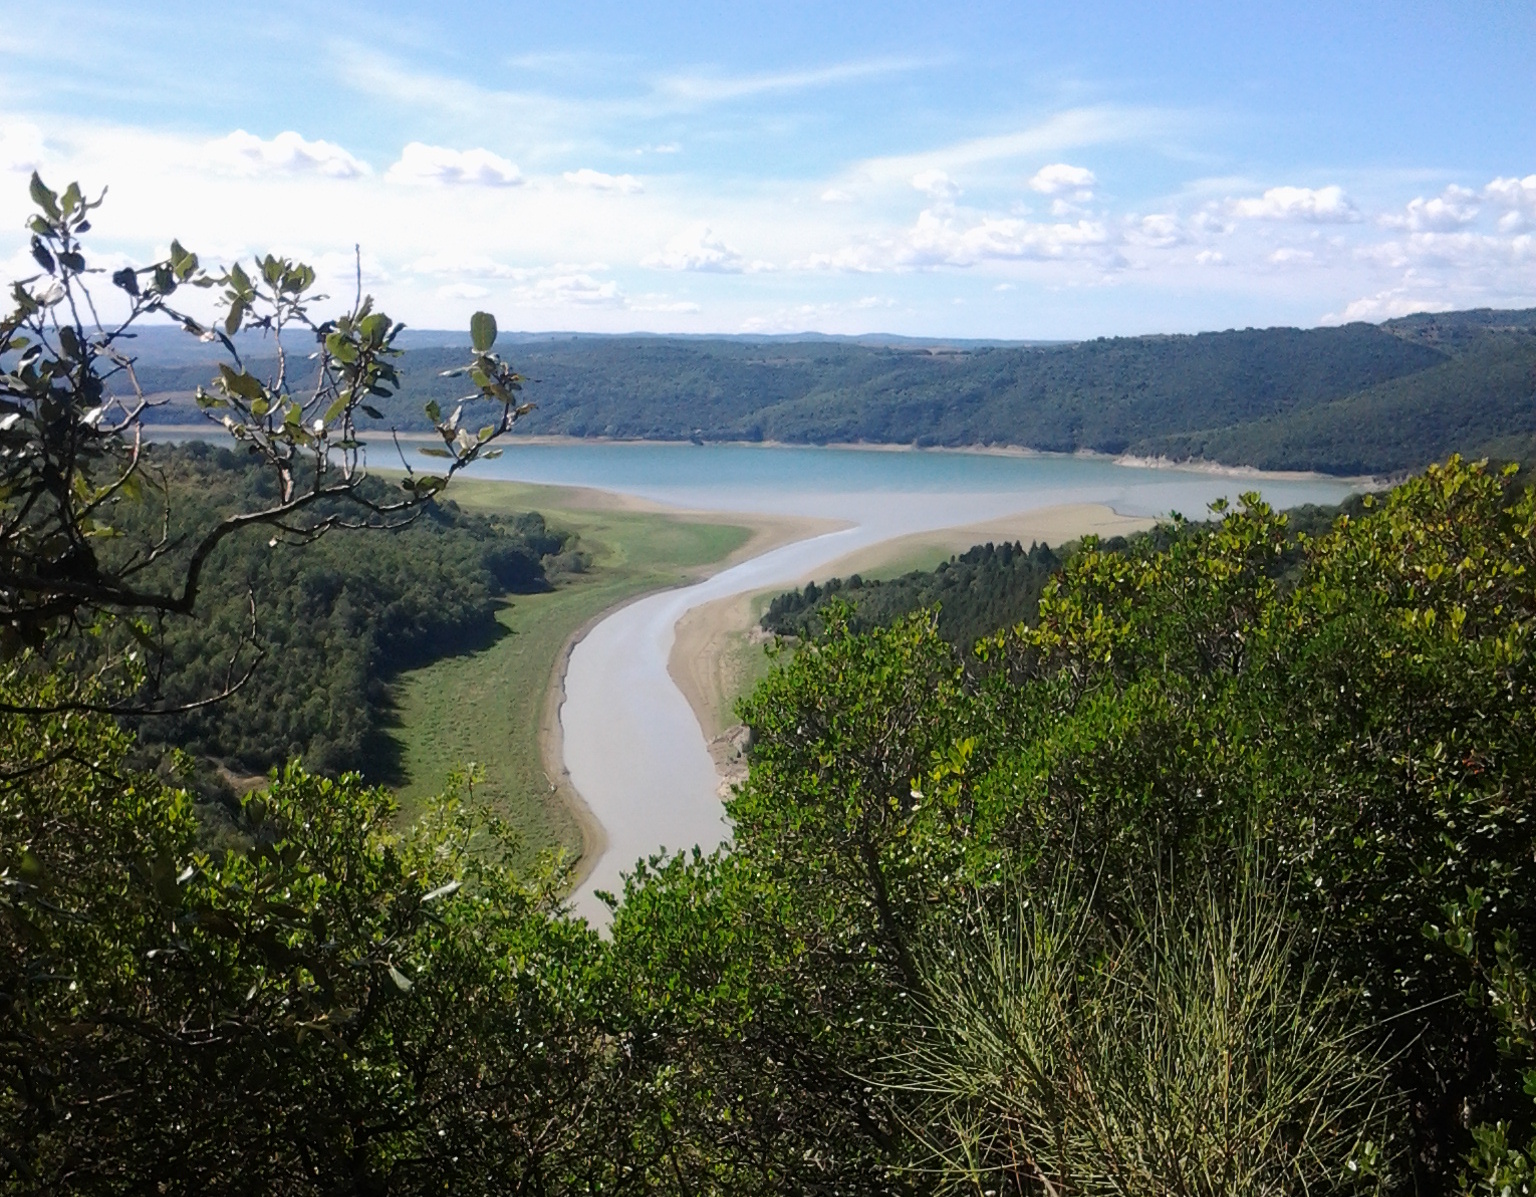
(340, 616)
(1216, 879)
(989, 586)
(1356, 399)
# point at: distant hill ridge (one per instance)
(1358, 398)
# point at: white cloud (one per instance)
(568, 291)
(941, 236)
(1516, 195)
(1159, 231)
(1069, 130)
(835, 195)
(463, 291)
(245, 154)
(660, 303)
(1005, 287)
(938, 241)
(1210, 257)
(695, 89)
(1061, 179)
(421, 163)
(1452, 209)
(470, 265)
(702, 250)
(21, 147)
(596, 180)
(1387, 305)
(1289, 256)
(937, 185)
(1512, 192)
(1321, 205)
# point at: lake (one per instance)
(633, 746)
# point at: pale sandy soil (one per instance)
(768, 533)
(711, 657)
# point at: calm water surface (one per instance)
(634, 749)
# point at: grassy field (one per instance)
(487, 706)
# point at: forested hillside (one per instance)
(987, 587)
(1358, 398)
(336, 617)
(1217, 880)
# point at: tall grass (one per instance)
(1196, 1053)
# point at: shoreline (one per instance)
(709, 636)
(1129, 460)
(767, 533)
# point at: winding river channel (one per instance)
(633, 746)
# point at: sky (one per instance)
(992, 170)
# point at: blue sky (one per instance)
(987, 170)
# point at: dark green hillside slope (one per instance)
(1482, 401)
(336, 617)
(1358, 398)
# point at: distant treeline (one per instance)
(992, 586)
(987, 587)
(1359, 398)
(336, 618)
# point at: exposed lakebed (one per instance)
(633, 746)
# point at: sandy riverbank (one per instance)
(768, 532)
(710, 659)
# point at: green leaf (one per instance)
(232, 321)
(44, 198)
(338, 405)
(71, 198)
(373, 411)
(434, 412)
(243, 384)
(340, 348)
(429, 451)
(482, 331)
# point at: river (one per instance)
(633, 746)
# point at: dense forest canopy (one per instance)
(340, 616)
(1214, 877)
(1354, 399)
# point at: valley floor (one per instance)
(498, 706)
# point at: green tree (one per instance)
(72, 410)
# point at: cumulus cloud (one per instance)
(1289, 256)
(420, 163)
(1320, 205)
(660, 303)
(1210, 257)
(21, 147)
(1517, 196)
(1451, 209)
(463, 291)
(937, 185)
(937, 241)
(702, 250)
(570, 290)
(939, 237)
(246, 154)
(1075, 182)
(1159, 231)
(470, 265)
(1387, 305)
(835, 195)
(596, 180)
